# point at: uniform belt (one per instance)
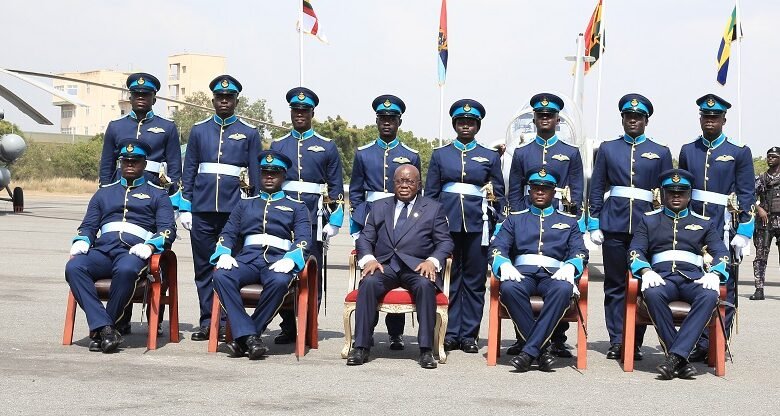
(219, 169)
(267, 240)
(678, 255)
(304, 187)
(372, 196)
(710, 197)
(558, 194)
(463, 189)
(152, 166)
(630, 192)
(126, 227)
(537, 260)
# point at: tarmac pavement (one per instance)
(38, 374)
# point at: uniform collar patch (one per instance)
(464, 147)
(381, 143)
(542, 212)
(272, 197)
(671, 214)
(228, 121)
(634, 140)
(302, 136)
(546, 143)
(137, 182)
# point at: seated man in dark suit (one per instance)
(404, 243)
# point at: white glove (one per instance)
(143, 251)
(508, 272)
(652, 279)
(566, 272)
(740, 241)
(284, 265)
(79, 247)
(186, 220)
(710, 281)
(590, 245)
(176, 215)
(330, 230)
(227, 262)
(597, 237)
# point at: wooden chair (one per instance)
(637, 314)
(497, 312)
(162, 269)
(302, 298)
(398, 300)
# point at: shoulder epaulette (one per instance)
(154, 185)
(734, 142)
(409, 148)
(524, 144)
(323, 138)
(279, 139)
(246, 124)
(518, 212)
(657, 142)
(567, 144)
(109, 184)
(366, 146)
(294, 200)
(249, 197)
(164, 118)
(488, 148)
(700, 216)
(120, 117)
(653, 212)
(566, 214)
(442, 146)
(202, 121)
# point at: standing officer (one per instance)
(135, 219)
(627, 168)
(721, 167)
(315, 178)
(405, 242)
(466, 178)
(274, 232)
(538, 251)
(666, 254)
(369, 183)
(220, 164)
(768, 210)
(546, 149)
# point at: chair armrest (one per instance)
(582, 285)
(722, 292)
(154, 265)
(632, 288)
(354, 272)
(307, 274)
(446, 277)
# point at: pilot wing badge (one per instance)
(156, 130)
(141, 196)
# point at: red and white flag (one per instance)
(311, 24)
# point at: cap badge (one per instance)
(710, 102)
(387, 103)
(130, 148)
(634, 102)
(676, 178)
(141, 81)
(225, 83)
(269, 158)
(543, 173)
(544, 102)
(467, 108)
(301, 96)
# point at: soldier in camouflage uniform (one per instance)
(768, 221)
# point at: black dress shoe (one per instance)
(522, 362)
(222, 334)
(426, 360)
(285, 338)
(758, 295)
(451, 345)
(125, 329)
(255, 347)
(546, 360)
(686, 370)
(202, 334)
(670, 367)
(638, 354)
(469, 345)
(698, 354)
(396, 342)
(614, 352)
(358, 356)
(94, 345)
(516, 348)
(236, 348)
(109, 339)
(560, 350)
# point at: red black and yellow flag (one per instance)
(594, 37)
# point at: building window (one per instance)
(86, 131)
(72, 89)
(173, 91)
(67, 112)
(183, 71)
(86, 111)
(67, 130)
(60, 88)
(87, 89)
(183, 93)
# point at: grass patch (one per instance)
(57, 185)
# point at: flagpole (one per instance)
(739, 71)
(601, 68)
(300, 42)
(441, 114)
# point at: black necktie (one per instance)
(399, 223)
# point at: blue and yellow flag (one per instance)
(724, 52)
(443, 52)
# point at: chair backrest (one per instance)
(354, 273)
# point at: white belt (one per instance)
(678, 255)
(473, 190)
(152, 166)
(126, 227)
(558, 194)
(372, 196)
(304, 187)
(537, 260)
(219, 169)
(629, 192)
(710, 197)
(267, 240)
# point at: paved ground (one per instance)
(37, 374)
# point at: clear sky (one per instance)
(501, 52)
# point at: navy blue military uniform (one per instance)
(125, 214)
(627, 168)
(315, 178)
(158, 132)
(538, 242)
(400, 245)
(721, 167)
(552, 154)
(268, 228)
(459, 176)
(219, 151)
(671, 244)
(368, 183)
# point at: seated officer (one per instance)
(135, 219)
(548, 256)
(274, 231)
(404, 243)
(666, 253)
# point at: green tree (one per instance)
(759, 165)
(186, 116)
